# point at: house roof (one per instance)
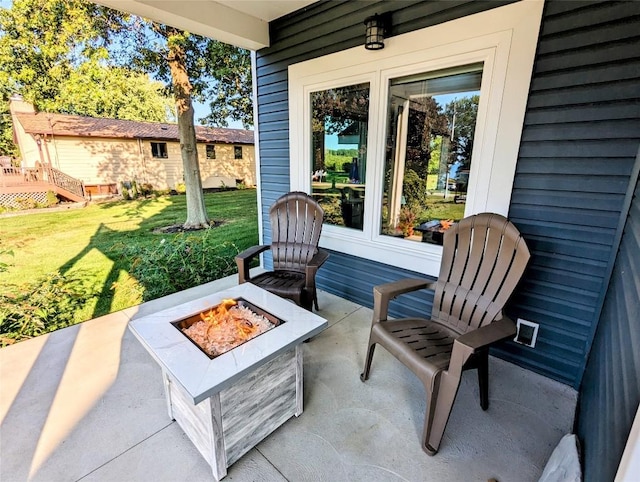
(81, 126)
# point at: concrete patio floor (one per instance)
(87, 403)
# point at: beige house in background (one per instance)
(103, 153)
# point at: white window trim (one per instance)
(504, 39)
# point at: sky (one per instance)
(202, 110)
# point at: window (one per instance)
(431, 121)
(210, 151)
(434, 123)
(237, 152)
(339, 152)
(159, 149)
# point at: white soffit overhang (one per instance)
(244, 23)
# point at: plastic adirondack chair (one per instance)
(484, 257)
(296, 223)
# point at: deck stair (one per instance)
(36, 182)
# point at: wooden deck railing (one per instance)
(15, 178)
(64, 181)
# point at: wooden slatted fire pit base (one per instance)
(228, 424)
(229, 403)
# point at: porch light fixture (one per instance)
(376, 27)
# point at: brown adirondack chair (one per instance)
(296, 223)
(484, 257)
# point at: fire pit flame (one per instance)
(226, 326)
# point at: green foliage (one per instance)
(216, 72)
(75, 57)
(86, 239)
(406, 221)
(3, 265)
(332, 211)
(41, 306)
(146, 189)
(129, 190)
(7, 146)
(55, 53)
(414, 189)
(231, 91)
(336, 159)
(52, 199)
(26, 203)
(438, 207)
(336, 177)
(96, 90)
(132, 190)
(179, 262)
(42, 41)
(466, 112)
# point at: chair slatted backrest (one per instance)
(484, 257)
(296, 224)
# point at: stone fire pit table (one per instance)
(228, 404)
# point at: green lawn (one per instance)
(105, 243)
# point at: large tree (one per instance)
(47, 44)
(57, 55)
(462, 114)
(201, 68)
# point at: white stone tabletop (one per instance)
(201, 376)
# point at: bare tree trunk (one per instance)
(196, 210)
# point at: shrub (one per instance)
(178, 262)
(129, 190)
(26, 203)
(332, 211)
(406, 221)
(414, 190)
(41, 306)
(52, 199)
(146, 189)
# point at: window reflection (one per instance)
(339, 153)
(431, 122)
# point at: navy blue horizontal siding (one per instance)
(610, 391)
(579, 142)
(580, 138)
(354, 278)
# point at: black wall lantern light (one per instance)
(376, 28)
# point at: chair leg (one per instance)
(315, 299)
(432, 396)
(447, 390)
(306, 304)
(364, 376)
(483, 379)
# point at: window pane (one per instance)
(339, 153)
(211, 151)
(159, 149)
(431, 121)
(237, 152)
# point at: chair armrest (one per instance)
(312, 267)
(488, 334)
(243, 261)
(469, 343)
(384, 293)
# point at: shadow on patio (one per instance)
(87, 403)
